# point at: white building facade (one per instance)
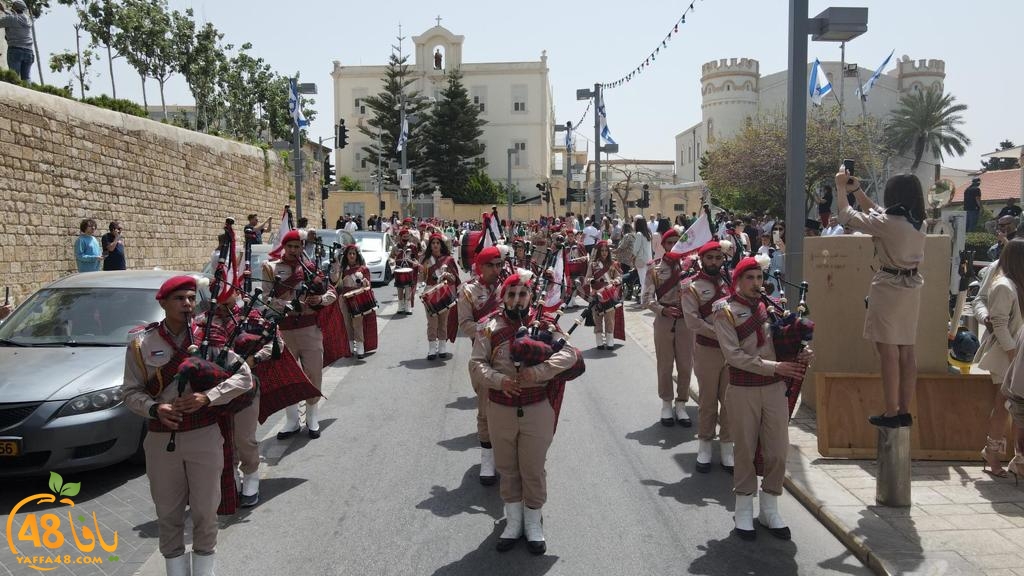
(733, 90)
(513, 97)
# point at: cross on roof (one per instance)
(438, 19)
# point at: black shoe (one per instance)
(685, 422)
(249, 501)
(313, 434)
(780, 533)
(602, 347)
(668, 422)
(284, 435)
(703, 468)
(446, 356)
(489, 481)
(885, 421)
(905, 419)
(431, 356)
(537, 547)
(506, 544)
(360, 356)
(748, 535)
(728, 469)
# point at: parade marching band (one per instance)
(263, 350)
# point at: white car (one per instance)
(376, 250)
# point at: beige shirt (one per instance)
(472, 296)
(596, 269)
(659, 272)
(695, 294)
(897, 243)
(155, 352)
(284, 296)
(492, 366)
(745, 355)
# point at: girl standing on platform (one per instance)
(895, 294)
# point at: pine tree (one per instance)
(453, 149)
(387, 121)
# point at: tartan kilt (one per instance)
(453, 324)
(370, 331)
(620, 324)
(282, 383)
(332, 325)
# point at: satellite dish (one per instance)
(940, 194)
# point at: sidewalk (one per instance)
(962, 521)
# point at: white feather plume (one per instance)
(763, 260)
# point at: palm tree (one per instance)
(928, 120)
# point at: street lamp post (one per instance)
(508, 188)
(832, 25)
(304, 88)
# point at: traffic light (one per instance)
(545, 194)
(342, 139)
(645, 202)
(328, 172)
(611, 204)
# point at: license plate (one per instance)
(10, 448)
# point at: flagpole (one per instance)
(297, 150)
(842, 82)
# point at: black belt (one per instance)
(900, 271)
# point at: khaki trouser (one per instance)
(437, 326)
(520, 450)
(712, 380)
(189, 476)
(247, 449)
(353, 325)
(604, 322)
(307, 345)
(759, 412)
(673, 348)
(482, 400)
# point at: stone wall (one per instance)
(171, 188)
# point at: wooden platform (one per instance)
(950, 416)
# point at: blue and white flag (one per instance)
(819, 84)
(294, 105)
(606, 134)
(863, 90)
(403, 137)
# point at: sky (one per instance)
(599, 41)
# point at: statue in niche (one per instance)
(437, 59)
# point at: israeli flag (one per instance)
(816, 88)
(403, 137)
(294, 106)
(606, 134)
(863, 90)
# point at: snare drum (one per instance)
(360, 301)
(578, 265)
(404, 277)
(438, 298)
(608, 297)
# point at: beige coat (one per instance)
(894, 301)
(1001, 307)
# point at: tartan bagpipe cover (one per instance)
(531, 351)
(788, 336)
(282, 383)
(332, 326)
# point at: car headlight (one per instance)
(92, 402)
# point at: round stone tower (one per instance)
(921, 75)
(729, 94)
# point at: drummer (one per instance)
(437, 267)
(349, 276)
(602, 272)
(405, 253)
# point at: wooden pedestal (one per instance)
(950, 416)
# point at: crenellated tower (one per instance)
(729, 94)
(920, 75)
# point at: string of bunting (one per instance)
(649, 61)
(576, 126)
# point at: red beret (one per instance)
(437, 236)
(670, 234)
(748, 263)
(712, 245)
(407, 220)
(174, 284)
(291, 236)
(403, 230)
(486, 255)
(423, 224)
(513, 280)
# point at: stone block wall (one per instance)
(171, 188)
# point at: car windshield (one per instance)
(80, 317)
(370, 244)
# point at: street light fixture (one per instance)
(832, 25)
(508, 189)
(303, 88)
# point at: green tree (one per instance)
(1001, 163)
(480, 189)
(68, 61)
(349, 184)
(138, 31)
(202, 58)
(386, 120)
(99, 19)
(748, 171)
(452, 140)
(927, 120)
